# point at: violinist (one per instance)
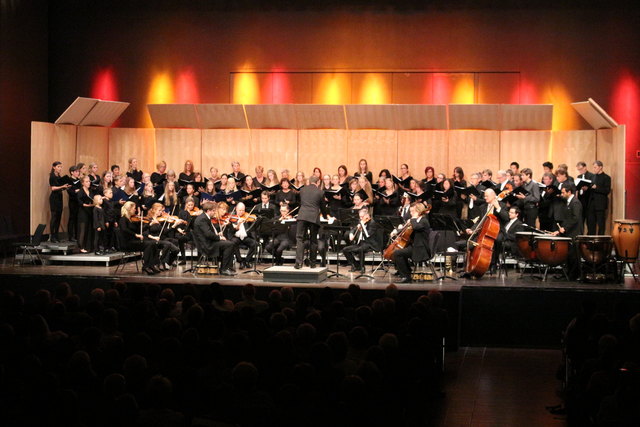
(286, 235)
(182, 229)
(55, 199)
(85, 215)
(286, 195)
(242, 236)
(72, 192)
(134, 239)
(388, 200)
(133, 171)
(418, 247)
(363, 170)
(191, 192)
(211, 240)
(405, 209)
(159, 226)
(365, 237)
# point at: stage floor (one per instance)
(513, 279)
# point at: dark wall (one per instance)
(23, 98)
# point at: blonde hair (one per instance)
(124, 210)
(96, 199)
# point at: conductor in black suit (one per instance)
(210, 241)
(366, 237)
(311, 204)
(598, 200)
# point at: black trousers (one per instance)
(149, 250)
(305, 227)
(54, 225)
(225, 249)
(360, 250)
(277, 246)
(183, 239)
(167, 251)
(85, 228)
(248, 243)
(72, 222)
(530, 214)
(110, 234)
(99, 239)
(595, 221)
(401, 260)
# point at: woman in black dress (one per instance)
(55, 199)
(286, 195)
(85, 215)
(187, 174)
(388, 201)
(133, 238)
(363, 170)
(133, 171)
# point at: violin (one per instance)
(246, 218)
(138, 218)
(224, 219)
(195, 212)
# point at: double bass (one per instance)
(480, 245)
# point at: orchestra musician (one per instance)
(212, 240)
(133, 238)
(182, 229)
(55, 199)
(266, 205)
(284, 239)
(365, 237)
(311, 205)
(158, 230)
(503, 182)
(571, 224)
(418, 249)
(510, 228)
(405, 211)
(242, 235)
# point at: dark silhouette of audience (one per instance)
(139, 355)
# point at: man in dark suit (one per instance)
(584, 191)
(210, 241)
(509, 230)
(475, 203)
(266, 206)
(366, 237)
(572, 225)
(311, 204)
(598, 200)
(419, 249)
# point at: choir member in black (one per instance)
(133, 238)
(133, 171)
(334, 196)
(83, 168)
(418, 250)
(74, 206)
(170, 197)
(503, 183)
(509, 230)
(131, 190)
(271, 183)
(558, 204)
(388, 200)
(214, 176)
(571, 225)
(181, 230)
(487, 179)
(584, 191)
(286, 195)
(249, 200)
(459, 181)
(325, 182)
(379, 185)
(106, 182)
(159, 177)
(266, 205)
(55, 199)
(230, 188)
(158, 230)
(284, 174)
(222, 185)
(115, 171)
(94, 175)
(565, 167)
(519, 201)
(405, 177)
(99, 226)
(365, 187)
(236, 174)
(429, 182)
(317, 172)
(385, 173)
(547, 167)
(190, 192)
(148, 198)
(111, 216)
(259, 179)
(474, 203)
(417, 192)
(188, 174)
(343, 176)
(359, 203)
(171, 177)
(531, 200)
(598, 200)
(85, 215)
(285, 239)
(364, 237)
(547, 199)
(209, 188)
(445, 202)
(363, 170)
(243, 236)
(211, 240)
(515, 168)
(299, 181)
(405, 209)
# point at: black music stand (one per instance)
(273, 228)
(447, 223)
(254, 269)
(337, 240)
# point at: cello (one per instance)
(480, 245)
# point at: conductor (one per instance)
(311, 204)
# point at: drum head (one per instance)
(627, 221)
(589, 238)
(528, 233)
(554, 238)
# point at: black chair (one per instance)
(32, 247)
(382, 264)
(433, 237)
(126, 252)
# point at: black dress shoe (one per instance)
(405, 279)
(227, 273)
(155, 269)
(297, 266)
(313, 265)
(182, 263)
(353, 269)
(149, 271)
(362, 270)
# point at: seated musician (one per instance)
(242, 236)
(571, 224)
(182, 229)
(286, 236)
(134, 239)
(211, 241)
(266, 205)
(418, 248)
(365, 238)
(159, 231)
(510, 229)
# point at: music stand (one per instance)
(274, 228)
(340, 229)
(446, 222)
(254, 269)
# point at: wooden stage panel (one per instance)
(275, 149)
(529, 148)
(474, 150)
(49, 143)
(379, 147)
(125, 143)
(176, 146)
(93, 146)
(610, 148)
(422, 148)
(572, 146)
(222, 146)
(324, 148)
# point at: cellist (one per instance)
(418, 248)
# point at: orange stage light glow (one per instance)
(246, 89)
(374, 90)
(332, 88)
(564, 116)
(464, 91)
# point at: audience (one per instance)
(138, 354)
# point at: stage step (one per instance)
(78, 258)
(288, 274)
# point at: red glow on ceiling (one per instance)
(187, 88)
(104, 85)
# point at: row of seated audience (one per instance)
(601, 373)
(137, 354)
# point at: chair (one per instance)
(126, 253)
(381, 264)
(433, 239)
(32, 247)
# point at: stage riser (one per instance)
(291, 275)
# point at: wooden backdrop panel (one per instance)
(474, 150)
(324, 148)
(93, 146)
(422, 148)
(379, 147)
(275, 149)
(222, 146)
(572, 146)
(125, 143)
(529, 148)
(610, 150)
(49, 143)
(176, 146)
